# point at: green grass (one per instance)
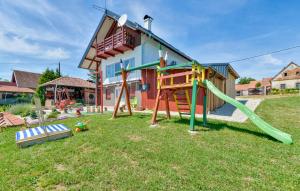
(125, 154)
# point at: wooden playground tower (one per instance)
(167, 84)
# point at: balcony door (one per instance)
(117, 93)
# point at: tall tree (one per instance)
(245, 80)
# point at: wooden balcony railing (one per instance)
(118, 43)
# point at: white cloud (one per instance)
(21, 46)
(269, 59)
(57, 53)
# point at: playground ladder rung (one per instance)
(182, 104)
(181, 99)
(177, 86)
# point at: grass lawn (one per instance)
(125, 154)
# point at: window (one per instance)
(298, 73)
(130, 62)
(110, 71)
(108, 93)
(285, 74)
(298, 85)
(282, 86)
(117, 68)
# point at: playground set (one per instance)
(196, 77)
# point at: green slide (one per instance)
(267, 128)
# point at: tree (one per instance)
(46, 76)
(258, 85)
(245, 80)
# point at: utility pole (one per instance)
(59, 68)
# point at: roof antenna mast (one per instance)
(99, 8)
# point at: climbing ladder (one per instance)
(183, 103)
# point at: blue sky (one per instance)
(35, 34)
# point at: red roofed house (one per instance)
(75, 89)
(252, 89)
(288, 77)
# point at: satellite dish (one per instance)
(122, 20)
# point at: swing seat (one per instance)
(37, 135)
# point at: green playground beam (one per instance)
(148, 65)
(178, 66)
(193, 107)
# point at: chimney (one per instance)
(147, 22)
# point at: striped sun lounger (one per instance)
(38, 135)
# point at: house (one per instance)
(288, 77)
(75, 89)
(134, 45)
(260, 87)
(22, 83)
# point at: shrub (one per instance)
(21, 109)
(284, 91)
(4, 108)
(33, 115)
(53, 115)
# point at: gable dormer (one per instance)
(291, 70)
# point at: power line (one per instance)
(273, 52)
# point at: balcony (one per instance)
(123, 40)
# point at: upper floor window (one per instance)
(172, 63)
(285, 74)
(298, 73)
(282, 86)
(110, 70)
(298, 85)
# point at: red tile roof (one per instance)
(15, 89)
(25, 79)
(242, 87)
(71, 82)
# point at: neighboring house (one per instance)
(25, 79)
(78, 90)
(22, 83)
(136, 45)
(288, 77)
(252, 89)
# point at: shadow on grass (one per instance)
(220, 125)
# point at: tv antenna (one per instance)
(99, 8)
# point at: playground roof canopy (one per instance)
(70, 82)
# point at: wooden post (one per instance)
(101, 90)
(124, 76)
(166, 97)
(124, 86)
(153, 121)
(97, 85)
(194, 102)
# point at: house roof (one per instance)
(291, 63)
(3, 83)
(25, 79)
(130, 24)
(15, 89)
(222, 68)
(266, 81)
(71, 82)
(243, 87)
